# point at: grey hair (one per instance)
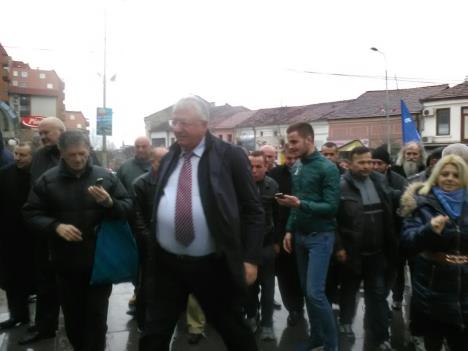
(456, 149)
(55, 121)
(73, 138)
(196, 102)
(401, 155)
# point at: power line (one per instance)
(366, 76)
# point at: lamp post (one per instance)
(387, 103)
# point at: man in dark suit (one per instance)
(205, 197)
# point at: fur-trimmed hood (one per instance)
(408, 201)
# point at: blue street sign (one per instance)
(104, 121)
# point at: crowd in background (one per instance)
(216, 226)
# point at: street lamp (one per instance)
(387, 103)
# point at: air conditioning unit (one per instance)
(429, 111)
(427, 139)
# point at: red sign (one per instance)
(32, 121)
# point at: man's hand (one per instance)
(289, 201)
(69, 232)
(438, 223)
(341, 256)
(250, 273)
(101, 196)
(287, 243)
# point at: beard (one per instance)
(410, 168)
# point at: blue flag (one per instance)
(410, 133)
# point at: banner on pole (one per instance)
(104, 121)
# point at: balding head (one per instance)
(156, 154)
(142, 148)
(270, 155)
(456, 149)
(50, 129)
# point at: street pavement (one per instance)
(123, 334)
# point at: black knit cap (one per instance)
(381, 154)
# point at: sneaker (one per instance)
(267, 334)
(396, 305)
(347, 331)
(385, 346)
(251, 323)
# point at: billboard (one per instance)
(104, 121)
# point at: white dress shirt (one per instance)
(203, 243)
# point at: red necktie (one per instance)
(184, 232)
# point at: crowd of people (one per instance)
(216, 226)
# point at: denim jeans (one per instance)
(313, 253)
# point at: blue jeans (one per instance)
(313, 253)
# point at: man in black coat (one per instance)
(65, 207)
(47, 302)
(366, 246)
(16, 247)
(205, 196)
(286, 267)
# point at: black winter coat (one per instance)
(350, 222)
(59, 196)
(16, 241)
(440, 290)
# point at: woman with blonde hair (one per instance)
(435, 228)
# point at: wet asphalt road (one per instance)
(123, 335)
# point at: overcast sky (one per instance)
(250, 53)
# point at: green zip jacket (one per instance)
(316, 182)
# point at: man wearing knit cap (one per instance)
(382, 164)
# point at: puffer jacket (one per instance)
(59, 196)
(440, 290)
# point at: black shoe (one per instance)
(293, 318)
(194, 339)
(276, 305)
(36, 336)
(32, 328)
(11, 323)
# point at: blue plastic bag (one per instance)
(116, 256)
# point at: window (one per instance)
(275, 133)
(229, 138)
(24, 74)
(23, 84)
(443, 121)
(42, 76)
(15, 73)
(78, 126)
(72, 117)
(15, 83)
(261, 133)
(220, 136)
(50, 86)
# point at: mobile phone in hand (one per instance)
(279, 195)
(99, 182)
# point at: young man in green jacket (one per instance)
(314, 204)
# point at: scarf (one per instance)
(452, 201)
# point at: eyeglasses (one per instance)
(183, 123)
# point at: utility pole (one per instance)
(104, 87)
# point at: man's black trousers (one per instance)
(209, 280)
